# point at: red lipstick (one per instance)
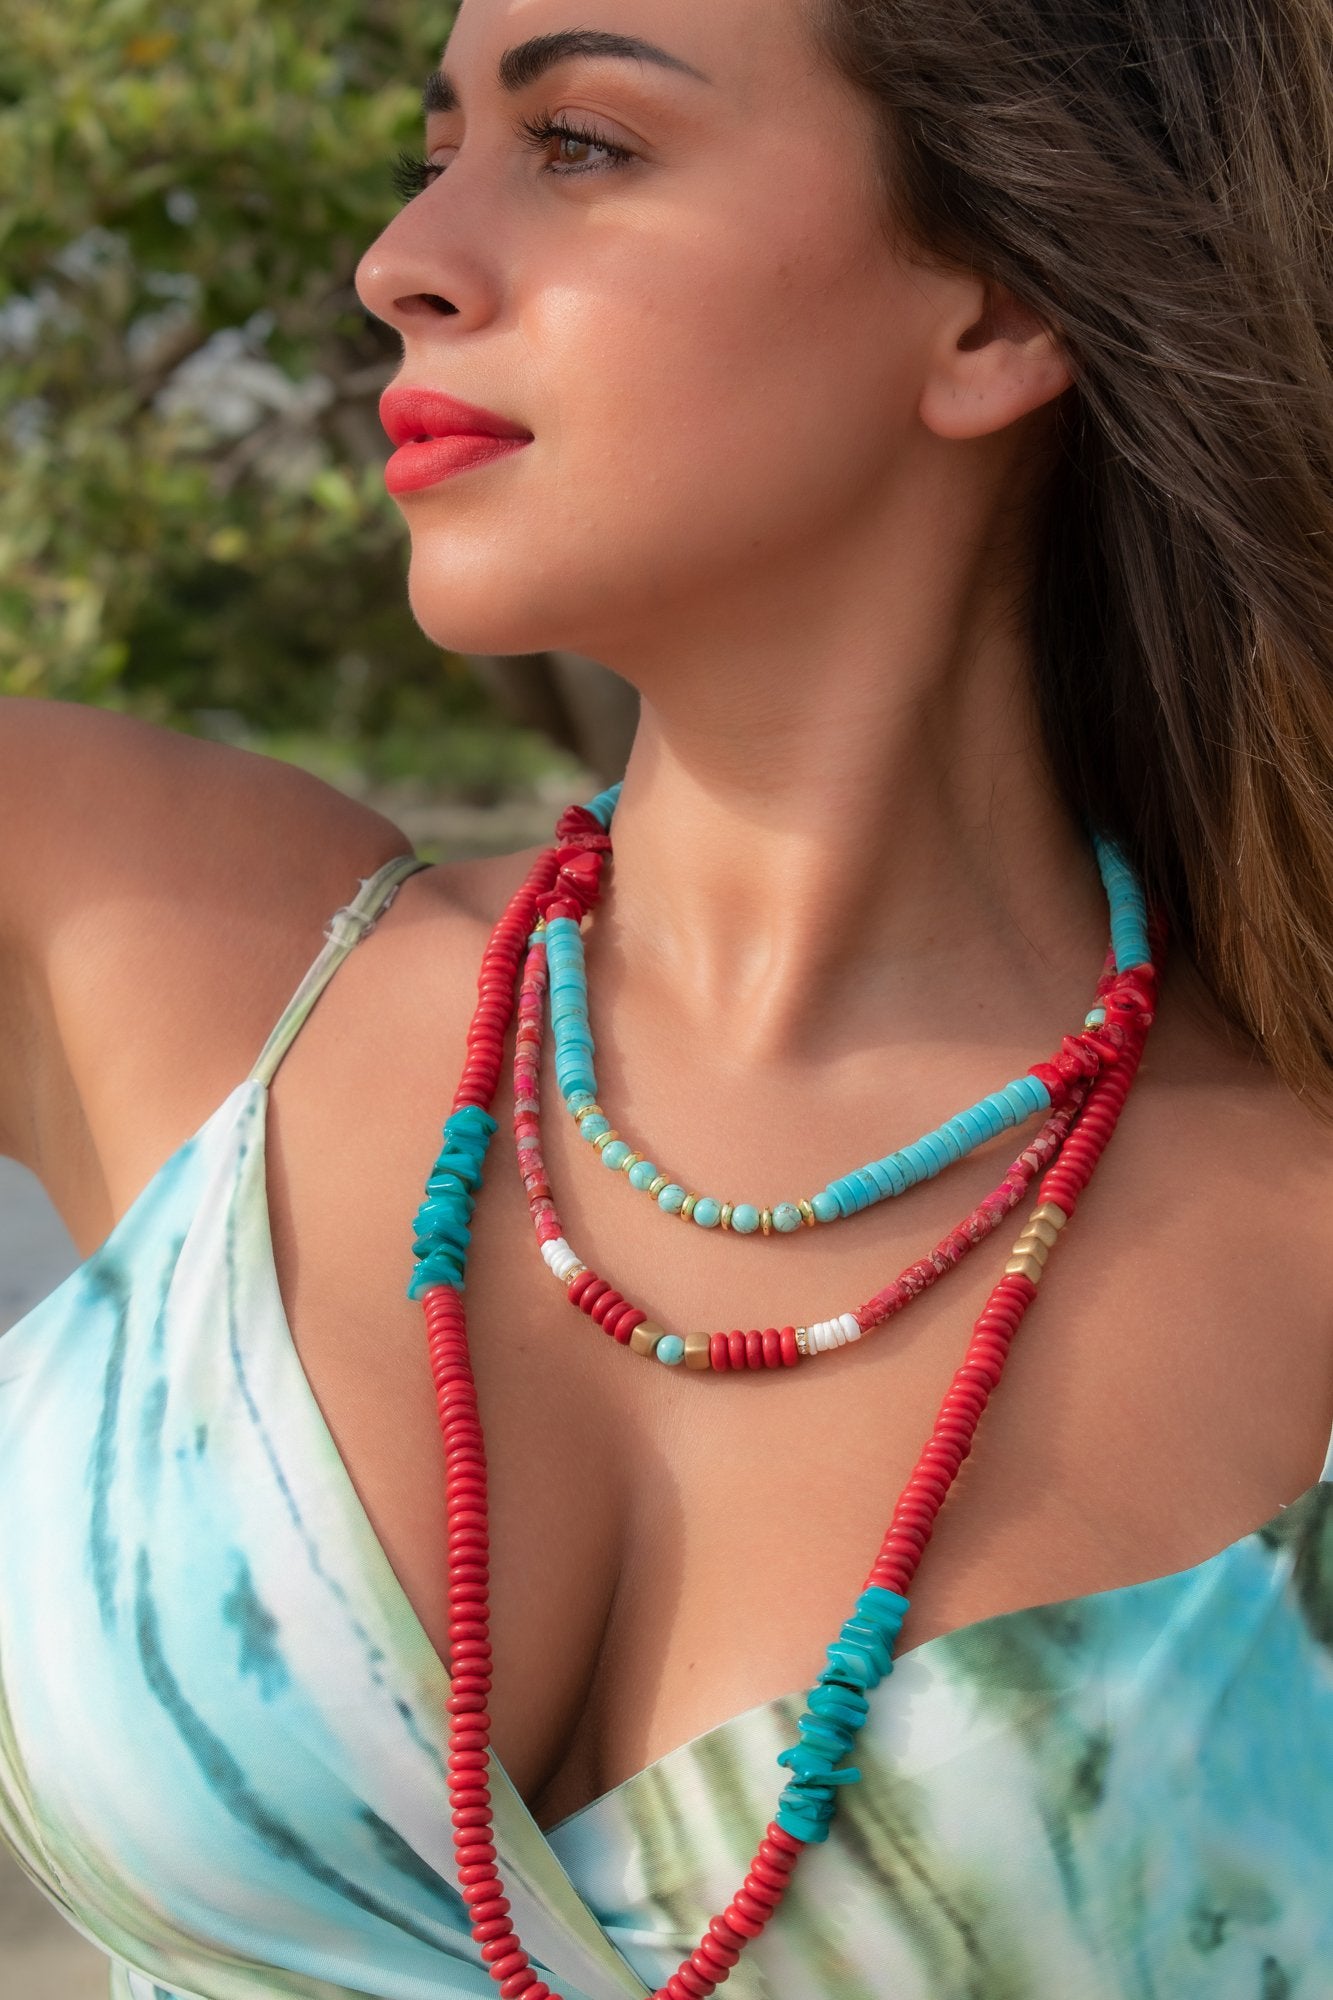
(436, 435)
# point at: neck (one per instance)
(804, 865)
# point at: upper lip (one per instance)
(407, 413)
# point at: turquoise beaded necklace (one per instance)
(853, 1192)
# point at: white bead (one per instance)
(850, 1325)
(827, 1334)
(556, 1252)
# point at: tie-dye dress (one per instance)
(222, 1727)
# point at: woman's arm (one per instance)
(126, 849)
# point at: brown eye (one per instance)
(574, 148)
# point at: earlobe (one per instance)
(1000, 365)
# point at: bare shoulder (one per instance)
(89, 799)
(155, 892)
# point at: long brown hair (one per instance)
(1152, 178)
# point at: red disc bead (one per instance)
(524, 1982)
(485, 1909)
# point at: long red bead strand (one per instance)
(466, 1488)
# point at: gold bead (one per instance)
(645, 1337)
(593, 1110)
(604, 1139)
(630, 1160)
(724, 1220)
(577, 1272)
(655, 1187)
(766, 1221)
(802, 1346)
(1030, 1246)
(687, 1207)
(696, 1351)
(808, 1216)
(1028, 1266)
(1040, 1230)
(1050, 1211)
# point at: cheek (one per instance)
(724, 393)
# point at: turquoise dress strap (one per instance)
(345, 928)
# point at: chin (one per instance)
(495, 609)
(508, 596)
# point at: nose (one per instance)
(429, 268)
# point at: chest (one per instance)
(670, 1549)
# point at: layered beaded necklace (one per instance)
(1080, 1090)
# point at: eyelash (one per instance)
(411, 176)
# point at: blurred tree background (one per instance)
(193, 523)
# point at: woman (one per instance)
(928, 409)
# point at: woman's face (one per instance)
(714, 349)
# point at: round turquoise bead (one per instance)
(745, 1218)
(591, 1127)
(1094, 1017)
(672, 1198)
(825, 1206)
(642, 1174)
(616, 1154)
(671, 1349)
(707, 1213)
(786, 1217)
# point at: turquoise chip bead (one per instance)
(672, 1198)
(886, 1608)
(745, 1218)
(471, 1123)
(807, 1762)
(826, 1736)
(869, 1641)
(838, 1704)
(849, 1663)
(642, 1174)
(616, 1154)
(804, 1818)
(786, 1217)
(671, 1349)
(706, 1212)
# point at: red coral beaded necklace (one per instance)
(1086, 1084)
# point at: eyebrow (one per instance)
(520, 66)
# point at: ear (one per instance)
(995, 361)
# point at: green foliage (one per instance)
(192, 515)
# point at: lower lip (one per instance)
(433, 459)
